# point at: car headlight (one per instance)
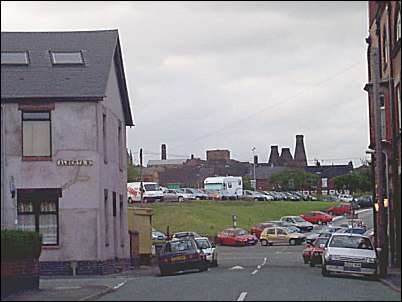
(370, 260)
(334, 257)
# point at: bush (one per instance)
(17, 245)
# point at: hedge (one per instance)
(16, 245)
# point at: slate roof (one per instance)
(330, 170)
(41, 81)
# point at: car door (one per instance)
(282, 235)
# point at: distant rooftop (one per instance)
(166, 162)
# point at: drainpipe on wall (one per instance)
(3, 166)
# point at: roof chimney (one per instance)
(163, 154)
(274, 160)
(300, 159)
(286, 157)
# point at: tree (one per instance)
(294, 179)
(133, 173)
(247, 183)
(358, 180)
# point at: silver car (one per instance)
(350, 254)
(209, 250)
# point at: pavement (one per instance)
(393, 279)
(80, 288)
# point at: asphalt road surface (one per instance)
(256, 273)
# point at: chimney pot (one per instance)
(163, 154)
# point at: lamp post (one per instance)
(255, 182)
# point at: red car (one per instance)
(237, 237)
(312, 252)
(339, 210)
(258, 228)
(316, 217)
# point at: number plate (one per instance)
(349, 266)
(178, 258)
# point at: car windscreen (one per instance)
(320, 240)
(351, 242)
(298, 219)
(203, 244)
(151, 187)
(240, 232)
(180, 246)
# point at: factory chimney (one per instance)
(163, 152)
(286, 157)
(300, 159)
(274, 160)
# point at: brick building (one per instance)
(384, 106)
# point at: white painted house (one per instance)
(64, 112)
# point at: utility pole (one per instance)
(381, 228)
(141, 184)
(255, 182)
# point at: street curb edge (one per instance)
(107, 290)
(390, 285)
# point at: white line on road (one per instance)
(259, 267)
(242, 296)
(265, 261)
(255, 272)
(119, 285)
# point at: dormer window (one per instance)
(14, 58)
(67, 58)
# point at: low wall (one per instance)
(19, 275)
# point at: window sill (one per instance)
(36, 158)
(51, 247)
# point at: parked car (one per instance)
(312, 252)
(284, 224)
(359, 231)
(196, 194)
(209, 250)
(180, 235)
(267, 195)
(259, 227)
(236, 237)
(181, 255)
(158, 235)
(313, 236)
(187, 195)
(330, 198)
(298, 222)
(291, 196)
(345, 197)
(254, 195)
(273, 195)
(272, 235)
(341, 209)
(172, 195)
(316, 217)
(364, 201)
(350, 254)
(213, 194)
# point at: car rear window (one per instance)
(351, 242)
(179, 246)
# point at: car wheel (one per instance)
(264, 242)
(181, 199)
(292, 242)
(324, 271)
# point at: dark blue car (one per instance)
(181, 255)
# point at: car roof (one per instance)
(201, 238)
(349, 234)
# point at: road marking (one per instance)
(265, 261)
(255, 272)
(119, 285)
(242, 296)
(237, 267)
(258, 266)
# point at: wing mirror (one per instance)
(378, 250)
(213, 244)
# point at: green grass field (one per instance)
(209, 217)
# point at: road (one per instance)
(255, 273)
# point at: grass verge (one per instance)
(209, 217)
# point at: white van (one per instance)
(151, 192)
(229, 187)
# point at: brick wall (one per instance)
(93, 267)
(19, 275)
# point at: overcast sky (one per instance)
(231, 75)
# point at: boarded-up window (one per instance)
(36, 134)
